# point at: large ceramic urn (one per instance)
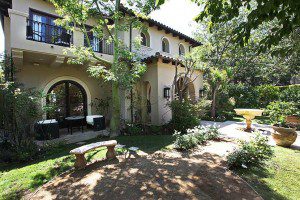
(284, 137)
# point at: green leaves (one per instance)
(285, 14)
(159, 2)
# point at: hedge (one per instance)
(261, 96)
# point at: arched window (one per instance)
(181, 50)
(145, 39)
(165, 45)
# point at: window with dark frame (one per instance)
(95, 42)
(165, 45)
(144, 39)
(181, 50)
(41, 27)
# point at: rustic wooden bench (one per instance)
(80, 151)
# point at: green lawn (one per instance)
(259, 120)
(280, 178)
(17, 178)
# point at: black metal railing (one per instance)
(52, 34)
(100, 45)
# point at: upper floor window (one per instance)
(165, 45)
(181, 50)
(99, 45)
(41, 27)
(92, 40)
(145, 39)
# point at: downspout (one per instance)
(131, 90)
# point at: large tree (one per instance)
(284, 13)
(109, 20)
(248, 66)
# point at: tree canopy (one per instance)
(284, 13)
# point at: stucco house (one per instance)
(41, 63)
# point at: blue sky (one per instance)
(178, 14)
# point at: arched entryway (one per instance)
(187, 87)
(66, 98)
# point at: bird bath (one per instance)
(249, 115)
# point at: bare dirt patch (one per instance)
(200, 174)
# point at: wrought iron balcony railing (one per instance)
(100, 45)
(52, 34)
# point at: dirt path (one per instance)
(162, 175)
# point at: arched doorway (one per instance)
(66, 98)
(186, 87)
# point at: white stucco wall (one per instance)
(18, 16)
(158, 74)
(44, 76)
(156, 37)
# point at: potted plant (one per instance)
(284, 133)
(294, 118)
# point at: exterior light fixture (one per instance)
(167, 92)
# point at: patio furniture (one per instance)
(97, 121)
(75, 121)
(46, 129)
(79, 152)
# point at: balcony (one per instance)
(46, 33)
(100, 45)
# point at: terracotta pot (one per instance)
(293, 119)
(284, 137)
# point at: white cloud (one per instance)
(179, 15)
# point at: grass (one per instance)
(15, 179)
(279, 179)
(237, 118)
(259, 120)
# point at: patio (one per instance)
(233, 130)
(201, 174)
(77, 136)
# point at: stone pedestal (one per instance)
(110, 154)
(80, 162)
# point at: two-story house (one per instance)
(37, 47)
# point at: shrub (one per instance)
(278, 110)
(291, 94)
(211, 132)
(134, 129)
(184, 115)
(185, 142)
(203, 107)
(267, 94)
(155, 129)
(194, 136)
(245, 96)
(252, 153)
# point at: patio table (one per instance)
(75, 121)
(46, 129)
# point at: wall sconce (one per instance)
(167, 92)
(201, 93)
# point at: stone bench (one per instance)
(80, 151)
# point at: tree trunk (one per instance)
(213, 103)
(115, 118)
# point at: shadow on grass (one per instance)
(148, 144)
(253, 175)
(145, 143)
(154, 177)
